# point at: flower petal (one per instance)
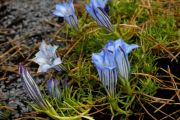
(97, 59)
(90, 10)
(54, 88)
(123, 64)
(62, 8)
(51, 50)
(67, 11)
(106, 68)
(57, 13)
(72, 21)
(40, 60)
(99, 3)
(71, 4)
(96, 10)
(44, 68)
(103, 19)
(31, 87)
(57, 61)
(40, 54)
(126, 47)
(46, 57)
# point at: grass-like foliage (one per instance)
(153, 27)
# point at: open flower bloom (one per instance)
(47, 58)
(31, 87)
(66, 10)
(54, 88)
(106, 68)
(96, 10)
(120, 50)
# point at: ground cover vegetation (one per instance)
(78, 85)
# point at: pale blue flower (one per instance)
(47, 58)
(106, 68)
(54, 88)
(112, 62)
(96, 10)
(120, 50)
(66, 10)
(31, 87)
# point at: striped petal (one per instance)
(107, 71)
(103, 19)
(120, 49)
(54, 88)
(122, 62)
(96, 10)
(31, 87)
(72, 21)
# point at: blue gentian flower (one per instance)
(112, 62)
(120, 50)
(47, 58)
(31, 87)
(54, 88)
(106, 68)
(66, 10)
(96, 9)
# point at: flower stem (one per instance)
(115, 33)
(128, 88)
(115, 106)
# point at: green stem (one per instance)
(127, 88)
(116, 34)
(50, 111)
(77, 117)
(115, 106)
(130, 102)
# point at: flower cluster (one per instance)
(47, 59)
(96, 9)
(34, 93)
(112, 62)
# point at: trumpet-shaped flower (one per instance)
(47, 58)
(96, 10)
(106, 68)
(66, 10)
(120, 50)
(31, 87)
(54, 88)
(112, 62)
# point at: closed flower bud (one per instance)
(96, 9)
(31, 87)
(54, 88)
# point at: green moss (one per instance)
(142, 28)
